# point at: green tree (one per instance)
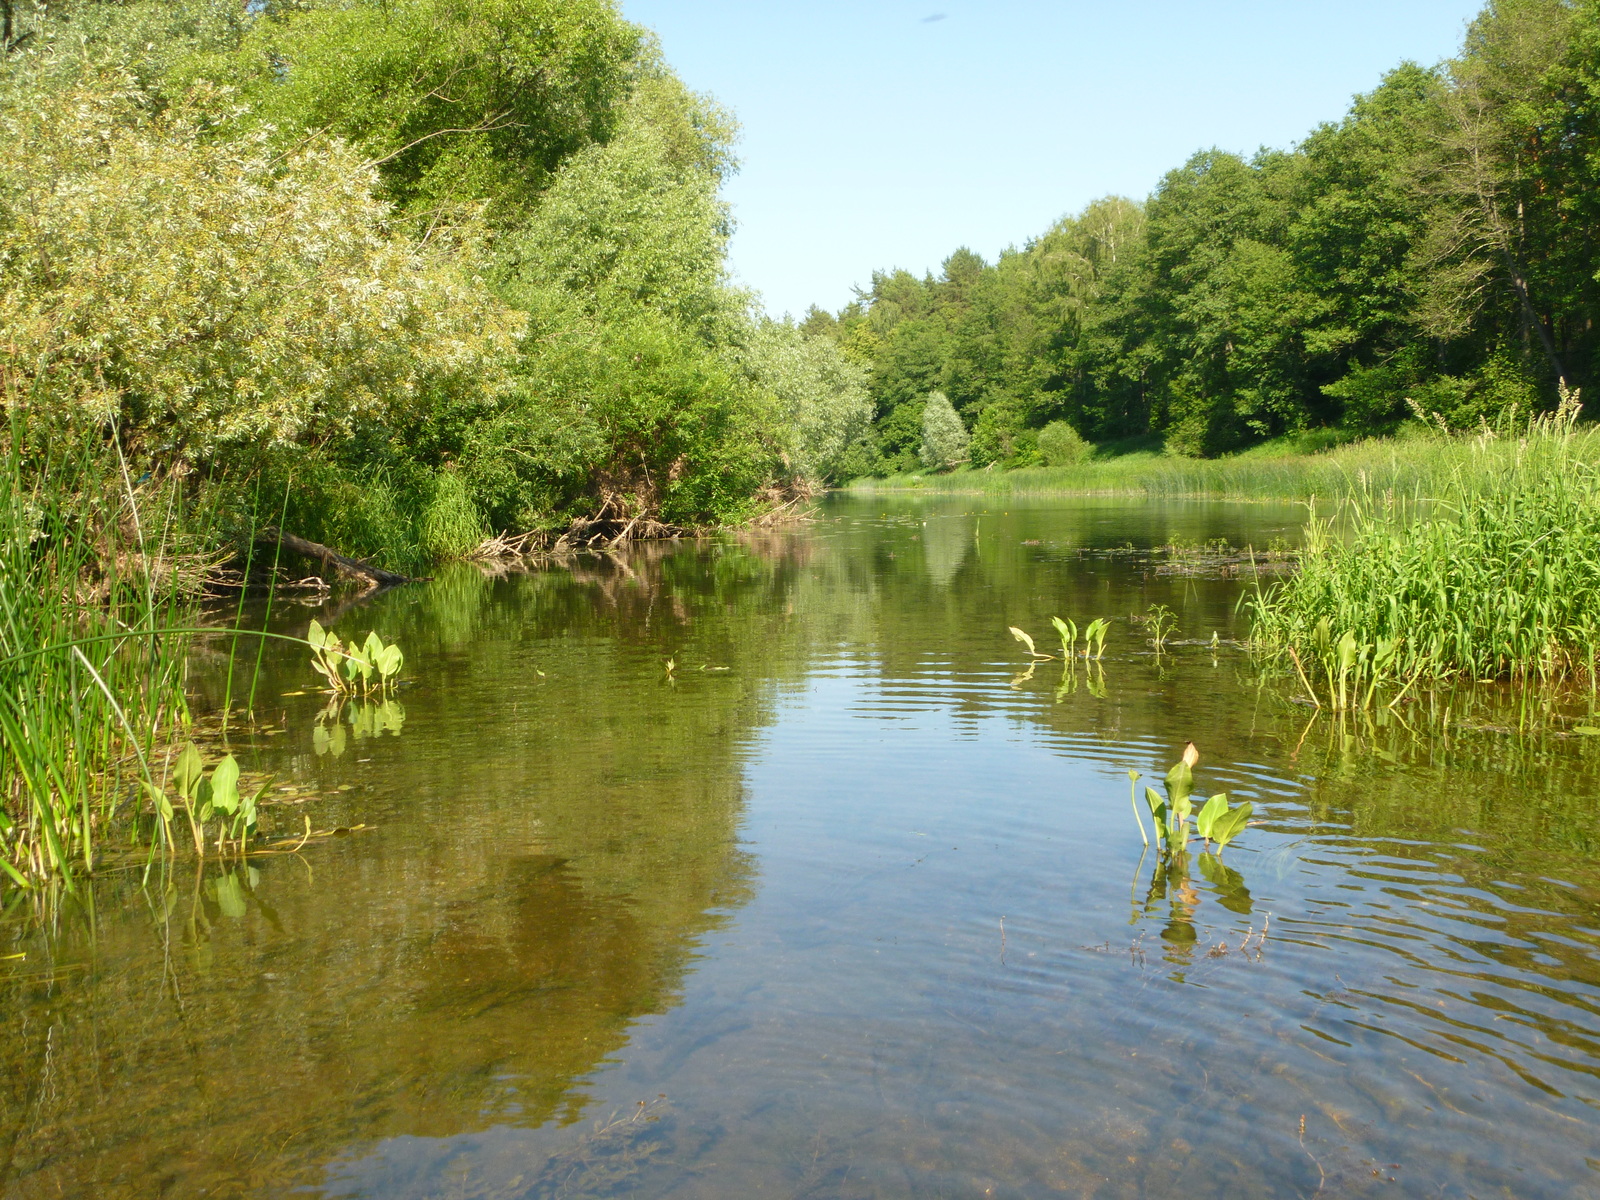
(944, 437)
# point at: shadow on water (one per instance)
(848, 902)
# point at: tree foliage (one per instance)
(198, 291)
(427, 268)
(1436, 246)
(944, 437)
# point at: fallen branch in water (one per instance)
(331, 559)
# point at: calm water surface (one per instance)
(849, 904)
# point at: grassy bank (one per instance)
(1286, 469)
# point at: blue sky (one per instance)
(877, 136)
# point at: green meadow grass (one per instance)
(1281, 470)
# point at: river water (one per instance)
(845, 904)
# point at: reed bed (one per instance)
(90, 685)
(1424, 465)
(1493, 573)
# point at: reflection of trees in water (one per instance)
(551, 850)
(559, 824)
(945, 542)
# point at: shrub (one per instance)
(944, 437)
(1060, 445)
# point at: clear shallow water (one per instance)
(862, 915)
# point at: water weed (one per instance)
(1215, 821)
(350, 669)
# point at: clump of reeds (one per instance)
(89, 684)
(1496, 576)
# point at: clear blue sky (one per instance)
(875, 136)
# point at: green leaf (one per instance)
(1179, 780)
(1214, 808)
(16, 875)
(316, 635)
(391, 660)
(1347, 651)
(1069, 633)
(225, 785)
(1586, 730)
(1232, 824)
(1024, 639)
(1153, 799)
(159, 798)
(187, 770)
(372, 648)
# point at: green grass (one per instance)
(1489, 570)
(1295, 468)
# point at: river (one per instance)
(845, 903)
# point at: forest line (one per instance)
(1430, 257)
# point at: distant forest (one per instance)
(1432, 256)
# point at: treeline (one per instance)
(1432, 255)
(400, 273)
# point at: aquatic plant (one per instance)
(1069, 635)
(1094, 638)
(1215, 822)
(1162, 624)
(203, 796)
(93, 636)
(349, 668)
(1027, 641)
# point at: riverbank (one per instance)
(1299, 467)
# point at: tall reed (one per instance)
(90, 684)
(1494, 576)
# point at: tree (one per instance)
(203, 294)
(944, 437)
(822, 406)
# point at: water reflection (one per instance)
(773, 890)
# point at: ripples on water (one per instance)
(864, 914)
